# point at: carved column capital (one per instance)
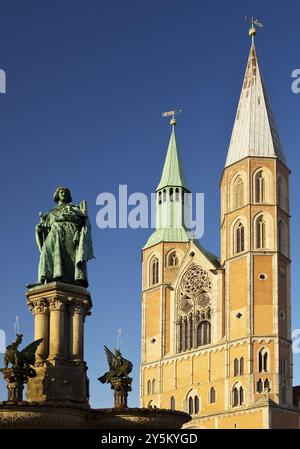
(79, 306)
(87, 307)
(77, 309)
(57, 303)
(39, 306)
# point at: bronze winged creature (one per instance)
(119, 367)
(24, 359)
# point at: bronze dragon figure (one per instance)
(24, 359)
(119, 367)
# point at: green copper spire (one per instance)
(172, 175)
(171, 203)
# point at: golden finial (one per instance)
(173, 113)
(252, 31)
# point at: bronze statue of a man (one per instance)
(64, 239)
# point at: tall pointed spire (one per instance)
(172, 174)
(171, 202)
(254, 131)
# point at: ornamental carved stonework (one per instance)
(203, 299)
(40, 306)
(195, 281)
(57, 303)
(195, 289)
(79, 306)
(77, 309)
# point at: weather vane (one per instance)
(173, 113)
(254, 23)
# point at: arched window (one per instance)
(159, 197)
(196, 405)
(153, 386)
(180, 334)
(177, 195)
(260, 362)
(208, 314)
(164, 195)
(149, 387)
(238, 367)
(260, 229)
(259, 386)
(191, 405)
(154, 271)
(171, 195)
(241, 366)
(203, 333)
(260, 187)
(238, 192)
(185, 345)
(267, 385)
(191, 323)
(241, 395)
(235, 397)
(283, 392)
(280, 200)
(173, 260)
(263, 361)
(284, 366)
(281, 237)
(193, 330)
(239, 238)
(172, 403)
(212, 395)
(235, 367)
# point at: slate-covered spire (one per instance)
(254, 131)
(172, 174)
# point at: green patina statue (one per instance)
(64, 239)
(21, 360)
(119, 367)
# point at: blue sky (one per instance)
(86, 84)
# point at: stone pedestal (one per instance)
(59, 311)
(15, 379)
(121, 389)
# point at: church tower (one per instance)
(255, 249)
(216, 332)
(161, 257)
